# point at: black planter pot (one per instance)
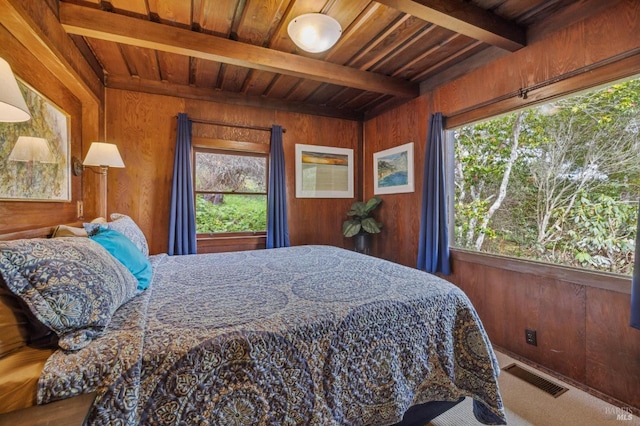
(362, 242)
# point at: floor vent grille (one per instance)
(549, 387)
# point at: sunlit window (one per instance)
(557, 183)
(231, 192)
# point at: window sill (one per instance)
(217, 243)
(602, 280)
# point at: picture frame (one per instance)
(39, 167)
(324, 172)
(393, 170)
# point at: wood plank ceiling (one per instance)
(239, 50)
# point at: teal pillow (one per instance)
(127, 253)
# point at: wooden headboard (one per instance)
(44, 232)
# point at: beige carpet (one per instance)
(527, 405)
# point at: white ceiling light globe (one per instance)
(314, 32)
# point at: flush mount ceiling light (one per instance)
(314, 32)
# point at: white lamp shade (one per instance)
(13, 108)
(314, 32)
(103, 154)
(29, 148)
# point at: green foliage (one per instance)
(237, 213)
(573, 189)
(602, 233)
(361, 219)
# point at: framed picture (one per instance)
(35, 154)
(393, 170)
(324, 172)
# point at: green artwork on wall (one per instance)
(35, 154)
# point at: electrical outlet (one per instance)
(530, 337)
(80, 209)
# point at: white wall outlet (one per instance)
(80, 209)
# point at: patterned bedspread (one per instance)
(302, 335)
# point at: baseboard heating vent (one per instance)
(549, 387)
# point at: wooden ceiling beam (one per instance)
(93, 23)
(215, 95)
(19, 18)
(465, 18)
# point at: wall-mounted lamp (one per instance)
(314, 32)
(103, 155)
(32, 149)
(13, 108)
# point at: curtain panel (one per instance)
(433, 245)
(182, 216)
(277, 226)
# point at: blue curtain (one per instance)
(182, 217)
(433, 246)
(635, 282)
(277, 227)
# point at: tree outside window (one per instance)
(558, 182)
(231, 192)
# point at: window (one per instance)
(557, 183)
(231, 191)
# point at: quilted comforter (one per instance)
(302, 335)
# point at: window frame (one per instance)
(222, 147)
(449, 163)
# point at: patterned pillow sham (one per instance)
(19, 327)
(13, 324)
(124, 225)
(72, 285)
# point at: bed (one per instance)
(312, 335)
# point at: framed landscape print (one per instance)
(324, 172)
(393, 170)
(35, 154)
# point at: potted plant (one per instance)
(361, 224)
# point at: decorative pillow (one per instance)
(127, 253)
(19, 327)
(126, 226)
(13, 323)
(68, 231)
(72, 285)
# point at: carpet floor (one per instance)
(527, 405)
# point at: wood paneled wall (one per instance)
(399, 213)
(143, 126)
(581, 320)
(15, 216)
(582, 329)
(605, 37)
(317, 220)
(43, 56)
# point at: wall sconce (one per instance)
(103, 155)
(32, 149)
(13, 108)
(314, 32)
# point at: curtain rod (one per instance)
(241, 126)
(523, 92)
